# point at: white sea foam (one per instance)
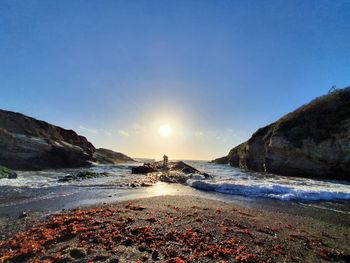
(33, 179)
(119, 174)
(231, 180)
(225, 179)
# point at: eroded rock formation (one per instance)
(30, 144)
(312, 141)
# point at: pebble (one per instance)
(77, 253)
(155, 255)
(100, 258)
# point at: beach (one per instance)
(174, 229)
(232, 216)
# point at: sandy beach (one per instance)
(173, 229)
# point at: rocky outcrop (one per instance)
(174, 172)
(30, 144)
(105, 156)
(221, 160)
(177, 166)
(81, 175)
(312, 141)
(144, 169)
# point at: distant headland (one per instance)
(312, 141)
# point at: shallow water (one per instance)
(231, 180)
(42, 191)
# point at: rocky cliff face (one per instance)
(30, 144)
(312, 141)
(105, 156)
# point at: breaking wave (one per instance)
(229, 180)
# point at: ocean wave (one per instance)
(309, 190)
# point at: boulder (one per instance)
(83, 175)
(144, 169)
(174, 172)
(89, 174)
(7, 173)
(178, 166)
(312, 141)
(182, 167)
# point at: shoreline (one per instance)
(225, 230)
(45, 191)
(73, 197)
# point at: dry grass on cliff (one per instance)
(319, 119)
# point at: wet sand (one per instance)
(175, 229)
(47, 201)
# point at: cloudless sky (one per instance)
(215, 71)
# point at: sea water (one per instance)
(37, 190)
(231, 180)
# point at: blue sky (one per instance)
(215, 71)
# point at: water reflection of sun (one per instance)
(161, 188)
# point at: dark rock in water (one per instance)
(12, 175)
(82, 175)
(158, 166)
(22, 215)
(183, 167)
(30, 144)
(7, 173)
(144, 169)
(67, 178)
(312, 141)
(105, 156)
(187, 170)
(206, 176)
(174, 172)
(89, 174)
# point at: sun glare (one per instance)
(165, 130)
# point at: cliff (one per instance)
(105, 156)
(312, 141)
(30, 144)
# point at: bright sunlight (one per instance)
(165, 130)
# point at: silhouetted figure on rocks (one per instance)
(165, 160)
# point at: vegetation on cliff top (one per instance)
(316, 119)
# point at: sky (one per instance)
(213, 71)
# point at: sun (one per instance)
(165, 130)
